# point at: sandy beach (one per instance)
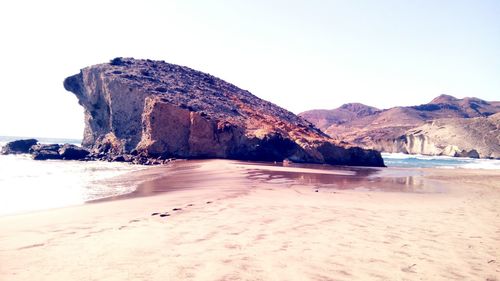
(251, 221)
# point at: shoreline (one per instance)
(322, 175)
(135, 177)
(396, 179)
(229, 220)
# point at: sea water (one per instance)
(444, 162)
(29, 185)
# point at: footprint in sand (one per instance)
(166, 214)
(409, 268)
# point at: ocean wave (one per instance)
(487, 164)
(444, 162)
(27, 185)
(422, 157)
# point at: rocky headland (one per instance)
(468, 127)
(138, 110)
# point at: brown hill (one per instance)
(383, 127)
(163, 110)
(324, 118)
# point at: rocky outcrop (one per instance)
(445, 126)
(72, 152)
(47, 151)
(56, 151)
(18, 146)
(160, 110)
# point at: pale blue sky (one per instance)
(298, 54)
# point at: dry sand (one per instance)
(241, 222)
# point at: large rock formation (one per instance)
(158, 109)
(444, 126)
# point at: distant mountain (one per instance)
(324, 118)
(392, 129)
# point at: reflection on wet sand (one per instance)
(361, 178)
(238, 176)
(183, 175)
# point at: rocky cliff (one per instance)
(445, 126)
(477, 137)
(158, 109)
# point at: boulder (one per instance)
(45, 151)
(469, 153)
(73, 152)
(18, 146)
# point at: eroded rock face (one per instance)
(467, 127)
(157, 109)
(477, 137)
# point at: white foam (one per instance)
(483, 164)
(27, 185)
(444, 162)
(396, 155)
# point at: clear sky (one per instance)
(298, 54)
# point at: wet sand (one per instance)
(256, 221)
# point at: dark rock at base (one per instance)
(125, 158)
(350, 156)
(45, 151)
(72, 152)
(471, 154)
(18, 146)
(39, 147)
(119, 158)
(46, 155)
